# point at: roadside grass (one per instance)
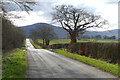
(13, 64)
(112, 68)
(35, 45)
(63, 41)
(24, 45)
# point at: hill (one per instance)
(61, 33)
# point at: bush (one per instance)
(106, 51)
(58, 46)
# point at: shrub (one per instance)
(106, 51)
(58, 46)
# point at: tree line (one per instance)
(12, 37)
(96, 37)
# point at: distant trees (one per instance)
(75, 20)
(109, 37)
(98, 37)
(44, 32)
(84, 37)
(90, 37)
(12, 37)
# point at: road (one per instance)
(43, 63)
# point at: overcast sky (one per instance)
(108, 9)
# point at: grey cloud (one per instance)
(111, 1)
(45, 7)
(10, 6)
(14, 6)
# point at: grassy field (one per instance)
(63, 41)
(14, 64)
(35, 45)
(112, 68)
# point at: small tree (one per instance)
(98, 37)
(113, 37)
(45, 33)
(75, 20)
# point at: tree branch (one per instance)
(68, 26)
(63, 26)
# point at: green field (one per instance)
(63, 41)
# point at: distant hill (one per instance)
(61, 33)
(109, 33)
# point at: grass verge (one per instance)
(14, 64)
(112, 68)
(35, 45)
(24, 47)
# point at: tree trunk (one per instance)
(73, 41)
(47, 42)
(73, 38)
(43, 41)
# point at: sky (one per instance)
(41, 13)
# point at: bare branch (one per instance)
(76, 20)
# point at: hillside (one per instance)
(102, 33)
(61, 33)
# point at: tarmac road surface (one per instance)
(43, 63)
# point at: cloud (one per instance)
(111, 1)
(108, 9)
(33, 17)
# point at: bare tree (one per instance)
(24, 5)
(75, 20)
(45, 33)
